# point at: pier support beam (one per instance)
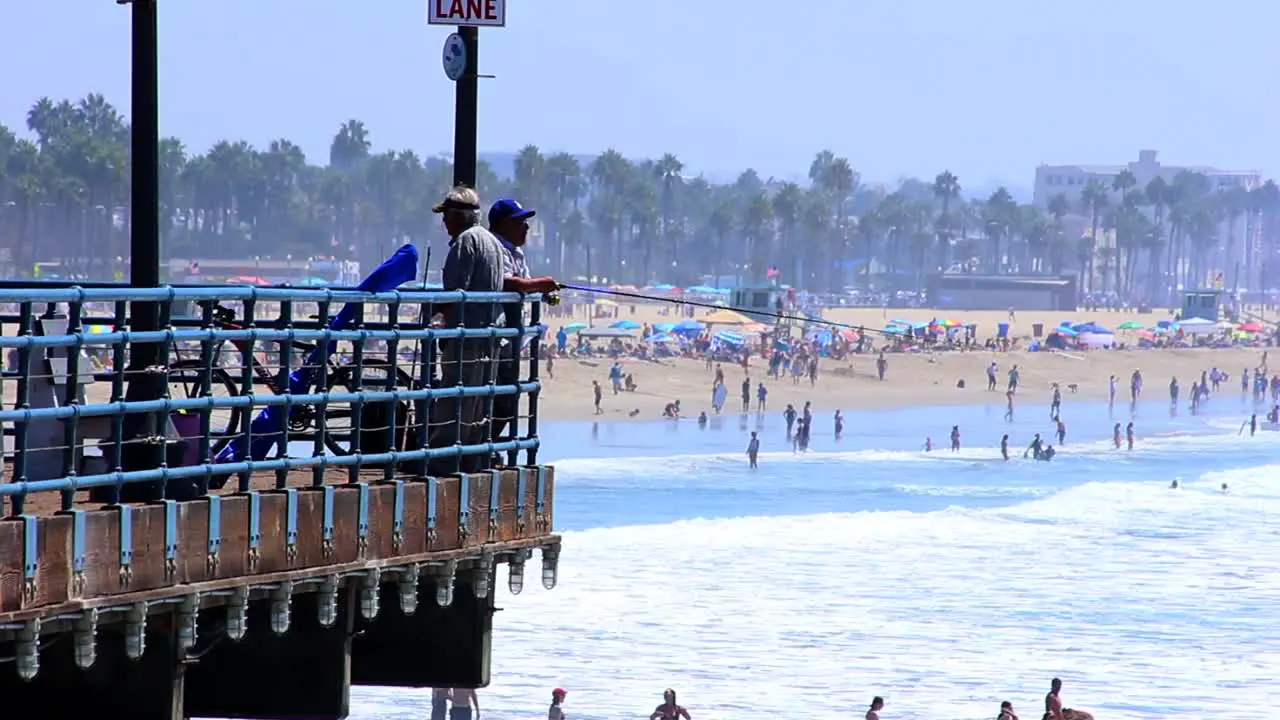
(434, 647)
(303, 673)
(113, 688)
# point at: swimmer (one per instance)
(1004, 447)
(753, 449)
(1173, 485)
(1224, 488)
(928, 444)
(702, 419)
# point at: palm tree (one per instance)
(946, 188)
(1093, 199)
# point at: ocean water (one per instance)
(944, 582)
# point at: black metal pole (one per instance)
(465, 111)
(145, 382)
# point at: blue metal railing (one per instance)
(228, 396)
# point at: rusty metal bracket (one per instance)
(397, 516)
(522, 484)
(30, 557)
(431, 512)
(255, 528)
(126, 544)
(215, 533)
(170, 539)
(291, 524)
(326, 514)
(362, 520)
(495, 488)
(464, 507)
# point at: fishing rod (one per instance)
(712, 306)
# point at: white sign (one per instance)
(455, 57)
(479, 13)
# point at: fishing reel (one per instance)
(301, 417)
(551, 299)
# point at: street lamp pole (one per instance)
(466, 100)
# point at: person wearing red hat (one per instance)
(556, 712)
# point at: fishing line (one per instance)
(748, 312)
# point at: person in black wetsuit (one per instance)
(1035, 448)
(1004, 447)
(669, 709)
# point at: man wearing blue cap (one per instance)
(509, 221)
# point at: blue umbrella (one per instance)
(575, 327)
(664, 327)
(689, 326)
(660, 338)
(731, 338)
(626, 325)
(664, 286)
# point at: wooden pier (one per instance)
(270, 597)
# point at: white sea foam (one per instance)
(1148, 602)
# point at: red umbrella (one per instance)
(1252, 327)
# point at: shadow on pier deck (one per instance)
(269, 597)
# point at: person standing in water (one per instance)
(556, 711)
(1052, 702)
(1004, 447)
(790, 416)
(1062, 431)
(1006, 711)
(1055, 405)
(753, 449)
(1035, 449)
(1115, 436)
(464, 704)
(1008, 410)
(1252, 424)
(1111, 389)
(955, 438)
(839, 423)
(1128, 434)
(669, 709)
(877, 704)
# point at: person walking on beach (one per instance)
(1053, 703)
(1008, 410)
(669, 709)
(877, 704)
(882, 365)
(598, 393)
(746, 394)
(1013, 379)
(1135, 386)
(762, 397)
(753, 450)
(1111, 389)
(556, 711)
(992, 369)
(1055, 405)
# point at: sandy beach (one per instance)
(912, 379)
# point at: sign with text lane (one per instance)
(479, 13)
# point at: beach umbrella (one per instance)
(688, 326)
(950, 323)
(574, 327)
(895, 329)
(664, 287)
(605, 333)
(1251, 327)
(664, 327)
(660, 338)
(1066, 331)
(726, 317)
(730, 338)
(1131, 325)
(626, 325)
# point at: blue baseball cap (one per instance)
(508, 209)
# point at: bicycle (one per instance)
(338, 376)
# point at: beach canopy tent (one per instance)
(688, 326)
(1196, 326)
(1065, 331)
(664, 327)
(626, 325)
(895, 329)
(663, 287)
(1131, 325)
(574, 327)
(661, 338)
(706, 290)
(730, 338)
(727, 317)
(606, 333)
(1089, 327)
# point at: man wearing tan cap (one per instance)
(474, 263)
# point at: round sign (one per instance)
(455, 57)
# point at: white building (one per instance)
(1070, 181)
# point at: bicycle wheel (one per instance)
(186, 376)
(375, 417)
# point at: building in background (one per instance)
(1071, 180)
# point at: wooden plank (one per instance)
(148, 548)
(310, 550)
(10, 565)
(446, 514)
(382, 498)
(53, 571)
(346, 505)
(271, 550)
(415, 517)
(233, 557)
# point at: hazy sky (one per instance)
(987, 88)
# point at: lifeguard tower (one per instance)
(771, 305)
(1202, 304)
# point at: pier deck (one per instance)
(209, 568)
